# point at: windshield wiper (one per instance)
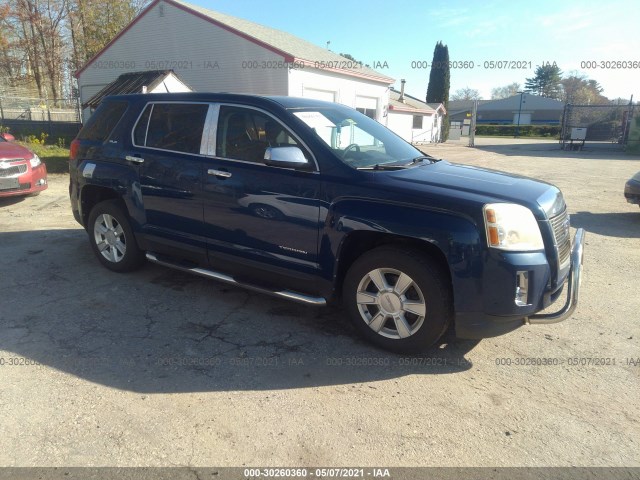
(398, 165)
(384, 166)
(422, 158)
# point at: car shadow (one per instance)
(158, 330)
(595, 151)
(622, 224)
(8, 201)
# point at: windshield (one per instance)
(356, 139)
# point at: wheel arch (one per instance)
(91, 195)
(357, 243)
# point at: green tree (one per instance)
(94, 23)
(546, 82)
(466, 93)
(580, 90)
(506, 91)
(439, 83)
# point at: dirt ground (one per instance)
(159, 368)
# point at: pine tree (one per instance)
(439, 82)
(546, 82)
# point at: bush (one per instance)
(37, 140)
(550, 131)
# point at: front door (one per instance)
(256, 214)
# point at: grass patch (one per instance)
(55, 158)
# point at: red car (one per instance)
(21, 171)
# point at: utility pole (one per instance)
(519, 113)
(472, 127)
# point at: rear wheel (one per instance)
(398, 299)
(112, 238)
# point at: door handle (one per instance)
(219, 173)
(131, 158)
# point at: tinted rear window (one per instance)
(103, 121)
(175, 126)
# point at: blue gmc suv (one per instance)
(314, 202)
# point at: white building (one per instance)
(149, 81)
(211, 51)
(414, 120)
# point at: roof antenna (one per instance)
(328, 42)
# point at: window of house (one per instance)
(417, 121)
(172, 126)
(245, 134)
(369, 112)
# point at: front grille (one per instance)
(13, 171)
(562, 237)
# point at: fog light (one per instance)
(522, 289)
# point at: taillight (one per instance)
(73, 149)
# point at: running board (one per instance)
(287, 294)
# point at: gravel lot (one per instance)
(158, 368)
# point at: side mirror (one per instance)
(8, 137)
(285, 157)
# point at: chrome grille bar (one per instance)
(562, 237)
(13, 170)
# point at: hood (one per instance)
(11, 151)
(482, 185)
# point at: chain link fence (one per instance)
(25, 116)
(39, 109)
(597, 126)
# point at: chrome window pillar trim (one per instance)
(135, 125)
(208, 142)
(146, 130)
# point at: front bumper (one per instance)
(33, 181)
(473, 325)
(573, 286)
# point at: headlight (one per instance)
(511, 227)
(35, 161)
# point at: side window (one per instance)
(140, 132)
(176, 126)
(245, 134)
(103, 121)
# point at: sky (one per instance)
(399, 36)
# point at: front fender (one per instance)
(455, 236)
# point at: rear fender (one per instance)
(123, 180)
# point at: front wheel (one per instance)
(112, 238)
(399, 299)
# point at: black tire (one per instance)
(392, 319)
(122, 253)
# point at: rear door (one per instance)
(167, 146)
(258, 215)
